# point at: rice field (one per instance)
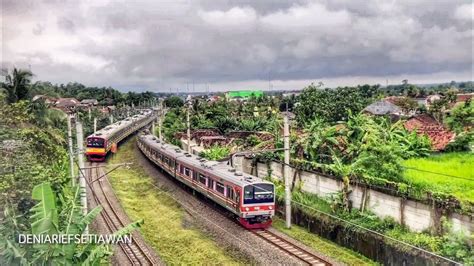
(449, 173)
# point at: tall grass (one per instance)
(165, 227)
(450, 166)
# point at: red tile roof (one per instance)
(464, 97)
(426, 125)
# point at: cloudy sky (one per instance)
(223, 45)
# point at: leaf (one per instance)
(45, 216)
(86, 220)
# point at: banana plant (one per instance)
(50, 218)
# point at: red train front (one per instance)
(257, 205)
(96, 149)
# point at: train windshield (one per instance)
(95, 143)
(258, 193)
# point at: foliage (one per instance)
(173, 102)
(461, 117)
(32, 152)
(104, 95)
(17, 85)
(173, 123)
(333, 105)
(45, 221)
(407, 104)
(215, 153)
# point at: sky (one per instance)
(171, 45)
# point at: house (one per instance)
(66, 104)
(463, 97)
(383, 107)
(425, 124)
(90, 102)
(46, 99)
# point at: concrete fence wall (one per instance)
(415, 215)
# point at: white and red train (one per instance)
(102, 141)
(249, 198)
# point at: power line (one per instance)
(431, 172)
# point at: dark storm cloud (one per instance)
(159, 44)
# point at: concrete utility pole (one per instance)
(80, 160)
(153, 127)
(95, 124)
(70, 148)
(286, 138)
(111, 117)
(159, 120)
(188, 124)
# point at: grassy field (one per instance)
(459, 166)
(164, 228)
(322, 245)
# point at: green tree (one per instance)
(18, 84)
(173, 102)
(333, 105)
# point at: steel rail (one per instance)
(134, 252)
(290, 248)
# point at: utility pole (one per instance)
(111, 117)
(70, 148)
(286, 137)
(153, 127)
(80, 159)
(160, 113)
(95, 124)
(188, 124)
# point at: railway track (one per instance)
(290, 248)
(135, 252)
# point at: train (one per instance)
(251, 200)
(107, 139)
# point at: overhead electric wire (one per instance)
(436, 173)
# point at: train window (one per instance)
(230, 192)
(220, 187)
(258, 193)
(95, 142)
(210, 183)
(187, 172)
(202, 179)
(181, 169)
(166, 160)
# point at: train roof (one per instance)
(220, 169)
(109, 130)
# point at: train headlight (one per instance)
(270, 207)
(247, 209)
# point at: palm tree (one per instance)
(17, 84)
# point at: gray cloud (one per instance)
(162, 44)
